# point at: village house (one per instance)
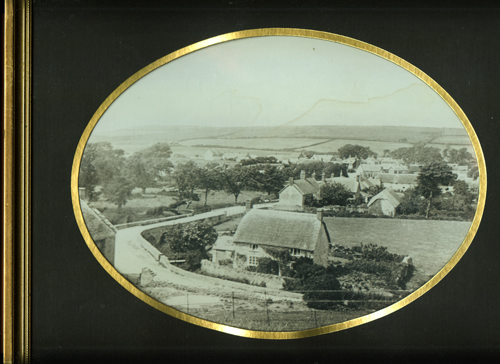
(293, 196)
(350, 183)
(397, 169)
(213, 154)
(385, 203)
(398, 182)
(351, 163)
(101, 230)
(368, 170)
(323, 157)
(302, 235)
(370, 160)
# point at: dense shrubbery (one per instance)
(187, 241)
(376, 253)
(161, 211)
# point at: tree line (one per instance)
(108, 172)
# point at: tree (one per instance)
(118, 190)
(418, 154)
(186, 176)
(100, 164)
(460, 156)
(431, 176)
(357, 151)
(411, 203)
(334, 194)
(194, 236)
(233, 181)
(270, 179)
(209, 178)
(322, 291)
(336, 168)
(144, 167)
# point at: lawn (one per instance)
(431, 244)
(136, 208)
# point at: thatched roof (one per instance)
(99, 227)
(409, 179)
(279, 229)
(388, 194)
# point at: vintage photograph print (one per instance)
(279, 183)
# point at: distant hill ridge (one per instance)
(375, 133)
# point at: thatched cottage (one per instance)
(302, 235)
(385, 203)
(101, 230)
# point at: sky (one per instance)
(278, 80)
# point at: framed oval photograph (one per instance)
(279, 183)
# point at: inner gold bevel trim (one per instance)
(294, 33)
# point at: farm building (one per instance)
(101, 230)
(292, 197)
(385, 203)
(302, 235)
(213, 154)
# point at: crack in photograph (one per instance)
(278, 183)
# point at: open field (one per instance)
(377, 146)
(214, 198)
(431, 244)
(197, 152)
(135, 139)
(258, 143)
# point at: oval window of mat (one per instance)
(279, 183)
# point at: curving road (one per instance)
(131, 257)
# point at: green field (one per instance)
(256, 143)
(431, 244)
(271, 139)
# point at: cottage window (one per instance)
(294, 251)
(252, 260)
(254, 247)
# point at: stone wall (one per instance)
(258, 279)
(147, 276)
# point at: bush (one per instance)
(376, 253)
(160, 211)
(319, 293)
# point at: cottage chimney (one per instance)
(323, 177)
(248, 205)
(319, 214)
(290, 181)
(302, 174)
(358, 178)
